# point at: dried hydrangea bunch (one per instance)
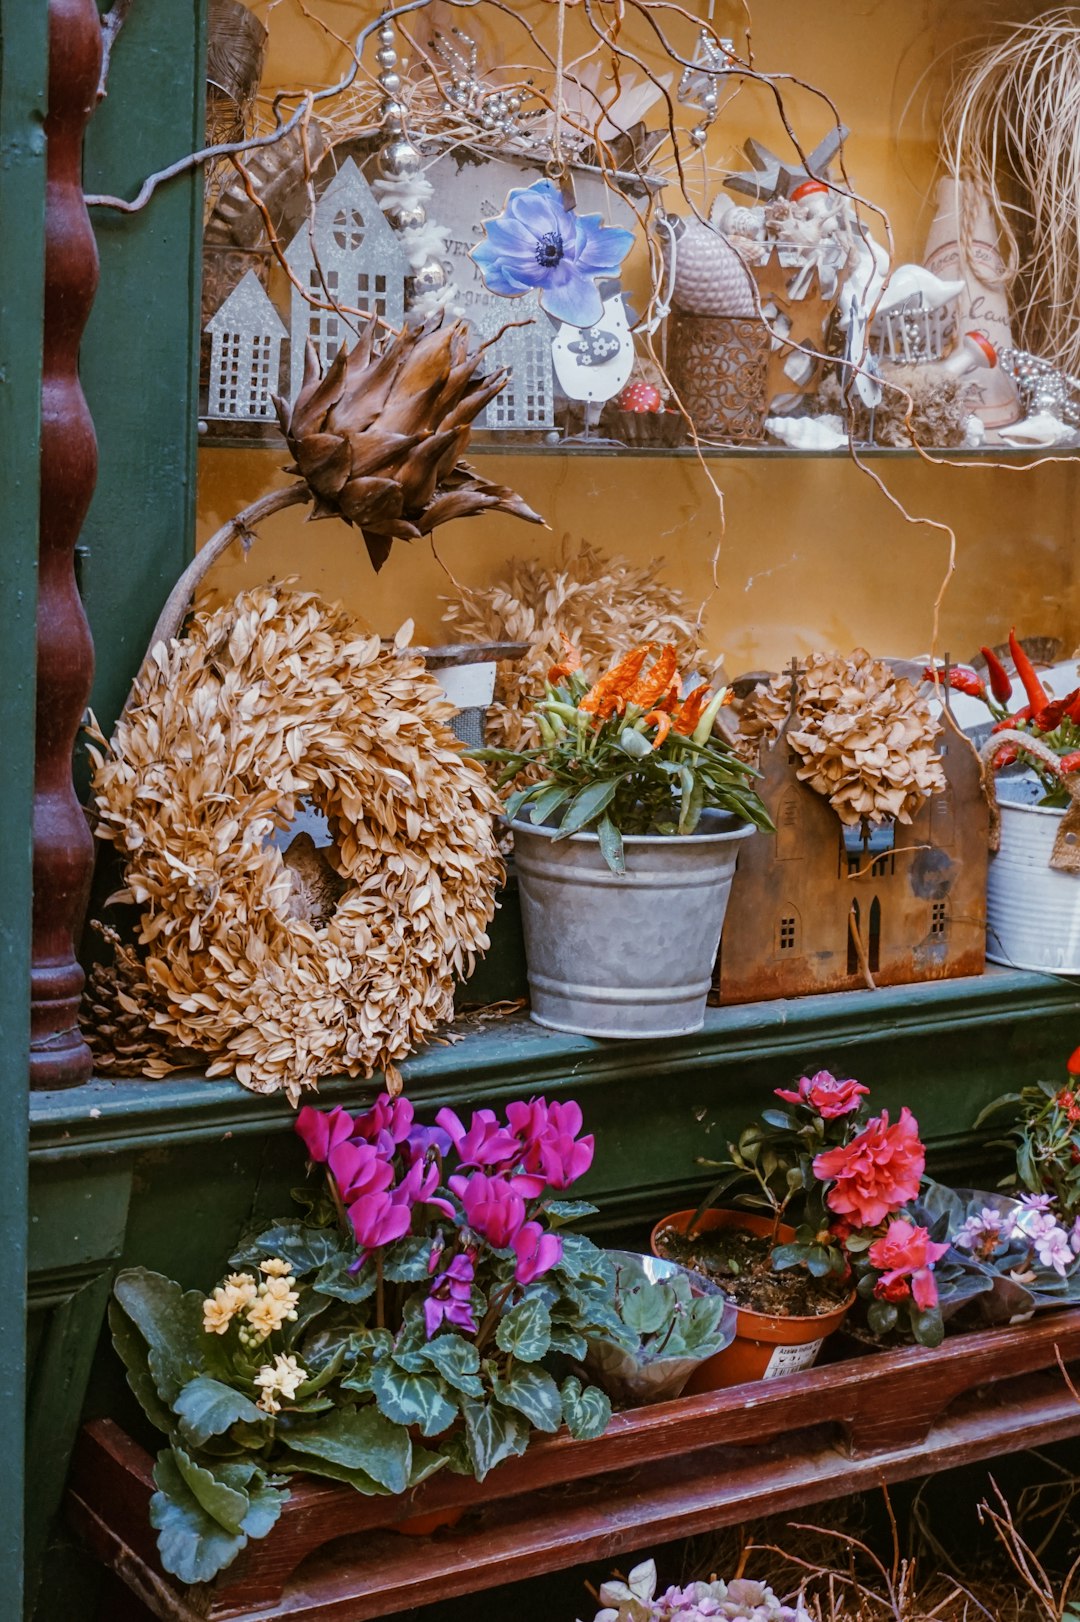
(864, 736)
(273, 701)
(603, 605)
(740, 1600)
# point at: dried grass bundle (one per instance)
(605, 605)
(865, 736)
(1012, 135)
(274, 700)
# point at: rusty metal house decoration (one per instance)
(245, 357)
(817, 907)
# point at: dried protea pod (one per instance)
(377, 439)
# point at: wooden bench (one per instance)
(669, 1471)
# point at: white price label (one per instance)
(790, 1359)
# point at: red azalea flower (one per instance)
(906, 1252)
(877, 1172)
(896, 1289)
(1072, 1063)
(825, 1094)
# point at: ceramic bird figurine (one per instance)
(317, 886)
(594, 363)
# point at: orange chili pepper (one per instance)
(608, 696)
(661, 720)
(692, 709)
(660, 683)
(571, 661)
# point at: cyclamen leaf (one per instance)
(492, 1433)
(305, 1247)
(334, 1279)
(566, 1341)
(208, 1407)
(412, 1399)
(525, 1331)
(582, 1259)
(533, 1393)
(357, 1438)
(586, 1410)
(424, 1464)
(560, 1211)
(406, 1261)
(457, 1361)
(307, 1463)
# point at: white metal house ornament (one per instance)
(358, 262)
(528, 400)
(245, 354)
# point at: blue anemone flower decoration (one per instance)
(537, 242)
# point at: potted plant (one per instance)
(843, 1180)
(1046, 1129)
(400, 1326)
(626, 833)
(634, 1599)
(671, 1322)
(1033, 889)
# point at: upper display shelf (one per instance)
(654, 222)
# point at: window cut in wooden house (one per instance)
(939, 917)
(873, 949)
(348, 255)
(246, 334)
(787, 931)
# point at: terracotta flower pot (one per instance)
(422, 1526)
(765, 1346)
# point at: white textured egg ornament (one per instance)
(594, 363)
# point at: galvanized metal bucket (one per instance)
(632, 955)
(1032, 910)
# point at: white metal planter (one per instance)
(1032, 910)
(631, 955)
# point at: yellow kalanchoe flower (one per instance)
(275, 1267)
(244, 1286)
(219, 1309)
(279, 1289)
(281, 1378)
(268, 1313)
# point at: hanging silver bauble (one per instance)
(407, 218)
(430, 278)
(398, 159)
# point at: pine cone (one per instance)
(116, 1017)
(377, 439)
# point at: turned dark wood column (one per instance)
(63, 848)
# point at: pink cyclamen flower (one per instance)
(493, 1210)
(418, 1187)
(487, 1143)
(359, 1168)
(826, 1095)
(908, 1252)
(388, 1122)
(378, 1220)
(449, 1299)
(322, 1130)
(877, 1172)
(553, 1153)
(537, 1252)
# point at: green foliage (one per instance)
(1044, 1125)
(663, 1318)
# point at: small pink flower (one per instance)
(487, 1143)
(322, 1130)
(418, 1187)
(450, 1298)
(553, 1154)
(492, 1208)
(376, 1220)
(537, 1252)
(359, 1168)
(387, 1123)
(877, 1172)
(826, 1095)
(907, 1252)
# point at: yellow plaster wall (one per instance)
(814, 554)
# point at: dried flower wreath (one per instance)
(274, 700)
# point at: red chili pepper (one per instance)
(1073, 706)
(1033, 687)
(1010, 720)
(1070, 763)
(1000, 680)
(1005, 756)
(1048, 719)
(962, 679)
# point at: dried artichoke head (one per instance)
(378, 436)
